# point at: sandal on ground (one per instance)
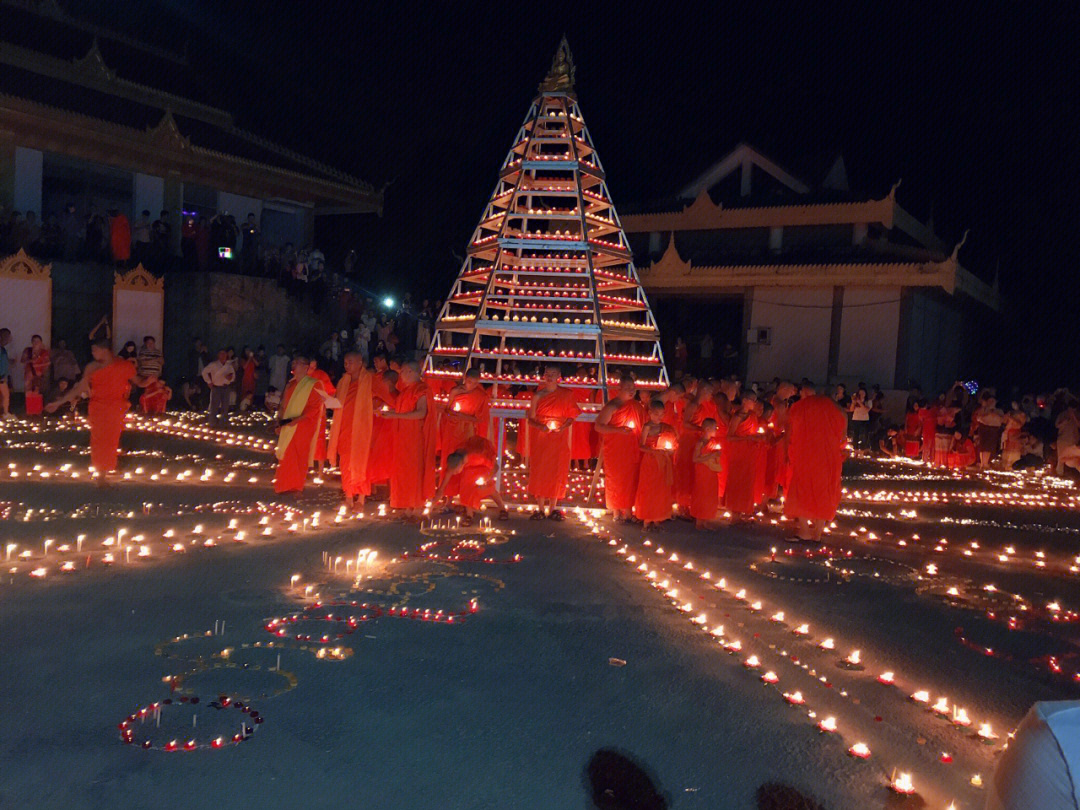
(556, 515)
(504, 515)
(537, 515)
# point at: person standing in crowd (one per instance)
(65, 366)
(248, 367)
(986, 424)
(652, 503)
(1068, 437)
(150, 362)
(298, 419)
(619, 425)
(424, 322)
(412, 480)
(140, 239)
(107, 381)
(119, 237)
(552, 411)
(860, 418)
(161, 233)
(349, 447)
(817, 431)
(708, 462)
(36, 361)
(5, 374)
(279, 368)
(219, 377)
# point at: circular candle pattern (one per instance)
(142, 728)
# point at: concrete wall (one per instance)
(933, 336)
(868, 335)
(231, 310)
(800, 320)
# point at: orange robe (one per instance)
(155, 397)
(622, 456)
(381, 460)
(817, 431)
(549, 462)
(705, 497)
(582, 445)
(110, 389)
(452, 431)
(745, 462)
(412, 477)
(296, 451)
(684, 457)
(477, 480)
(320, 435)
(350, 434)
(656, 478)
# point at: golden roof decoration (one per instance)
(561, 76)
(166, 133)
(140, 280)
(23, 266)
(94, 63)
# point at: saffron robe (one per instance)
(381, 457)
(350, 434)
(549, 460)
(582, 434)
(110, 389)
(154, 397)
(320, 434)
(453, 431)
(684, 457)
(477, 478)
(521, 442)
(705, 497)
(817, 432)
(622, 456)
(412, 477)
(656, 478)
(296, 442)
(745, 461)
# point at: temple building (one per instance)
(94, 118)
(807, 279)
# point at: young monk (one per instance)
(817, 433)
(745, 459)
(351, 432)
(298, 420)
(551, 413)
(705, 498)
(412, 480)
(702, 407)
(466, 413)
(107, 380)
(656, 476)
(384, 395)
(619, 425)
(155, 396)
(469, 472)
(320, 432)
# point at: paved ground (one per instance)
(504, 706)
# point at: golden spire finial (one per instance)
(561, 76)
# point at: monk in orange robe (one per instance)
(521, 440)
(817, 432)
(320, 433)
(705, 497)
(551, 413)
(582, 434)
(619, 424)
(384, 395)
(745, 460)
(350, 435)
(673, 406)
(155, 396)
(470, 473)
(107, 380)
(412, 479)
(696, 411)
(776, 465)
(298, 420)
(652, 504)
(466, 413)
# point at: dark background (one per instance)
(973, 105)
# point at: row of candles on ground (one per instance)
(68, 470)
(658, 576)
(1013, 500)
(124, 544)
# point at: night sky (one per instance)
(975, 108)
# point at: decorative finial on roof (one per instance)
(94, 63)
(167, 133)
(561, 76)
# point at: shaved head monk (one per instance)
(350, 434)
(466, 413)
(817, 431)
(412, 476)
(469, 472)
(384, 395)
(619, 425)
(298, 420)
(107, 380)
(551, 413)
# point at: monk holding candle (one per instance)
(705, 498)
(619, 424)
(466, 413)
(744, 456)
(107, 380)
(817, 432)
(652, 504)
(384, 394)
(412, 477)
(350, 434)
(469, 472)
(551, 413)
(699, 409)
(298, 419)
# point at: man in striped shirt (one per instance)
(150, 361)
